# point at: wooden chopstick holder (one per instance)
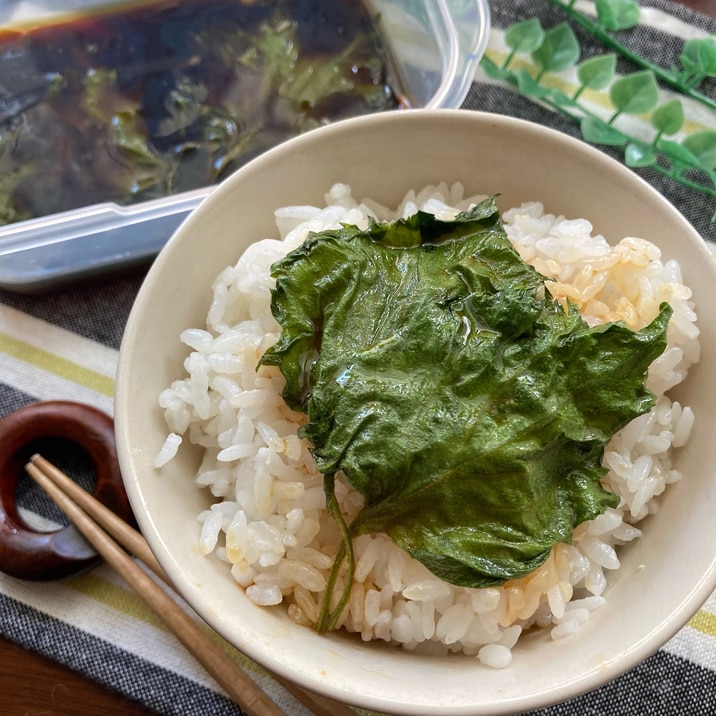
(82, 508)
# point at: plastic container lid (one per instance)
(435, 47)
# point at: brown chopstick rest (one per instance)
(25, 553)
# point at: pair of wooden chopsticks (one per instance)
(101, 527)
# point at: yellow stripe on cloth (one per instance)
(704, 621)
(125, 601)
(565, 82)
(52, 363)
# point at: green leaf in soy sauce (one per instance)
(559, 50)
(597, 72)
(669, 117)
(703, 146)
(618, 14)
(468, 407)
(525, 36)
(636, 93)
(598, 131)
(639, 156)
(9, 182)
(312, 81)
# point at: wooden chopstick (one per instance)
(125, 534)
(83, 509)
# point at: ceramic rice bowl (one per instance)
(664, 576)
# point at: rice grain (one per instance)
(269, 520)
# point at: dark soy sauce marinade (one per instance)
(148, 102)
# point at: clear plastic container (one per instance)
(434, 45)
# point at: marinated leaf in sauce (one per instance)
(142, 103)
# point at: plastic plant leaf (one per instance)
(8, 184)
(598, 131)
(703, 146)
(699, 57)
(678, 155)
(635, 94)
(530, 87)
(597, 72)
(669, 117)
(618, 14)
(525, 36)
(559, 50)
(565, 103)
(638, 156)
(493, 71)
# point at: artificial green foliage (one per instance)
(668, 118)
(688, 162)
(597, 131)
(559, 50)
(698, 58)
(596, 73)
(636, 156)
(468, 407)
(634, 94)
(525, 36)
(617, 14)
(703, 146)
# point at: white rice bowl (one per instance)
(269, 522)
(664, 575)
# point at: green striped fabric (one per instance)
(64, 346)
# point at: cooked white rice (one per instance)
(269, 523)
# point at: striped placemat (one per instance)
(64, 346)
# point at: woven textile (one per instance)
(64, 346)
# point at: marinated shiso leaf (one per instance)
(468, 407)
(152, 101)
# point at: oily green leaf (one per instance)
(669, 117)
(524, 36)
(598, 131)
(312, 81)
(100, 98)
(636, 93)
(559, 50)
(183, 104)
(597, 72)
(467, 407)
(618, 14)
(638, 156)
(137, 165)
(273, 51)
(699, 56)
(10, 177)
(703, 146)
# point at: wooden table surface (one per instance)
(30, 684)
